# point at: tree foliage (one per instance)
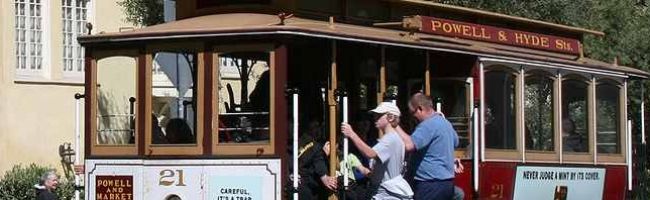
(143, 12)
(18, 183)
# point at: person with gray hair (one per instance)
(46, 186)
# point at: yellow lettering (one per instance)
(435, 24)
(568, 47)
(466, 30)
(485, 34)
(447, 27)
(519, 38)
(99, 196)
(559, 44)
(526, 38)
(544, 42)
(502, 36)
(534, 40)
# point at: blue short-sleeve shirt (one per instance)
(435, 140)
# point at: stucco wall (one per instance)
(37, 113)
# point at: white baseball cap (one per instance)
(387, 108)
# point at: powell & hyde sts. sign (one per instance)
(493, 34)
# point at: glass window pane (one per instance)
(174, 98)
(575, 116)
(116, 84)
(500, 110)
(244, 97)
(452, 94)
(538, 109)
(607, 119)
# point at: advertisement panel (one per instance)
(213, 179)
(559, 183)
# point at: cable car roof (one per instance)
(243, 24)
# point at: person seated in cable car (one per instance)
(178, 132)
(158, 137)
(571, 140)
(357, 174)
(314, 181)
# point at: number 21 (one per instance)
(167, 178)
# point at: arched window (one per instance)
(538, 109)
(608, 113)
(500, 113)
(116, 89)
(575, 115)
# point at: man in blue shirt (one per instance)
(433, 141)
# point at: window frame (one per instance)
(245, 149)
(76, 31)
(538, 155)
(175, 149)
(44, 71)
(612, 158)
(516, 154)
(110, 150)
(580, 157)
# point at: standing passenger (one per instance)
(387, 155)
(434, 139)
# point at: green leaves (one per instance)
(18, 183)
(143, 12)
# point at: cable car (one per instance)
(198, 108)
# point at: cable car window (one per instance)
(575, 116)
(174, 98)
(538, 109)
(607, 118)
(244, 97)
(453, 94)
(116, 92)
(500, 110)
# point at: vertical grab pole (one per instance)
(77, 141)
(345, 143)
(628, 137)
(295, 142)
(475, 148)
(642, 116)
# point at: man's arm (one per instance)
(408, 142)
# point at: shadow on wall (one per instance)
(113, 125)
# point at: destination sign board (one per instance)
(114, 187)
(499, 35)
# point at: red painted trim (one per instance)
(464, 180)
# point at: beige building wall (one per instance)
(37, 112)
